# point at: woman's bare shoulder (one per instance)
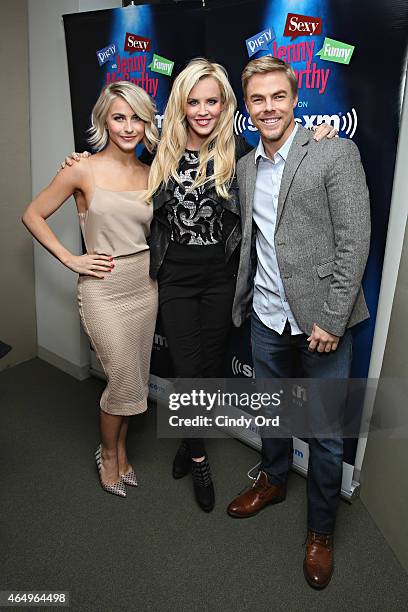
(79, 174)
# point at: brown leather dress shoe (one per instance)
(257, 497)
(318, 563)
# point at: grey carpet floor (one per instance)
(156, 550)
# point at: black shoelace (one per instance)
(201, 472)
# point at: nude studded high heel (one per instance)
(129, 478)
(116, 489)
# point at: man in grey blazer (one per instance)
(306, 207)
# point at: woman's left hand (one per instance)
(324, 131)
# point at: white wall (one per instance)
(98, 5)
(60, 338)
(392, 257)
(17, 321)
(384, 489)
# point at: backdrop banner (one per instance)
(350, 60)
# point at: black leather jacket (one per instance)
(231, 226)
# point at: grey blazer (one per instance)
(322, 233)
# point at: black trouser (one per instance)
(196, 290)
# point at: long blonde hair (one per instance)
(218, 148)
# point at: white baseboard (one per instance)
(78, 372)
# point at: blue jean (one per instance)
(279, 356)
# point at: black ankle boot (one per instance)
(203, 486)
(182, 461)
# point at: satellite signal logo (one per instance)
(349, 123)
(240, 122)
(241, 369)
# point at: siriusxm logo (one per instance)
(160, 340)
(239, 368)
(242, 123)
(345, 123)
(157, 388)
(299, 393)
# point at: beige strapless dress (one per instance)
(118, 313)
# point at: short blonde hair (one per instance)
(139, 101)
(268, 63)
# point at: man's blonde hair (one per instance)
(268, 63)
(139, 101)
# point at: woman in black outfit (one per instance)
(195, 233)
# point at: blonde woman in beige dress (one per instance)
(117, 298)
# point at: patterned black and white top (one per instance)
(194, 218)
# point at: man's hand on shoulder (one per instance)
(322, 340)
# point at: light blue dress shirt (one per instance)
(270, 303)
